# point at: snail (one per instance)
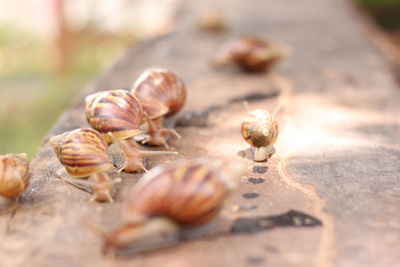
(14, 179)
(250, 53)
(260, 130)
(118, 115)
(167, 200)
(84, 153)
(212, 20)
(162, 94)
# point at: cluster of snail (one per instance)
(170, 196)
(117, 117)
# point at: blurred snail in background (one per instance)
(250, 53)
(260, 130)
(14, 179)
(118, 115)
(161, 94)
(84, 153)
(169, 198)
(212, 20)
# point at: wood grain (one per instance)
(329, 196)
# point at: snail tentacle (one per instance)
(134, 156)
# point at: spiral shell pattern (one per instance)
(115, 111)
(160, 91)
(188, 192)
(82, 152)
(14, 174)
(259, 128)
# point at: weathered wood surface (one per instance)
(338, 159)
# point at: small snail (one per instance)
(168, 198)
(260, 130)
(118, 115)
(14, 178)
(161, 94)
(212, 20)
(250, 53)
(84, 153)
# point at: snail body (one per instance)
(260, 130)
(250, 53)
(84, 153)
(162, 94)
(168, 198)
(118, 115)
(14, 178)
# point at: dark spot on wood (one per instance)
(251, 195)
(256, 180)
(201, 118)
(291, 218)
(271, 249)
(260, 169)
(247, 208)
(255, 260)
(193, 119)
(246, 154)
(256, 96)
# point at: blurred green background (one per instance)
(34, 89)
(385, 12)
(49, 49)
(42, 68)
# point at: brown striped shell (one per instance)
(115, 111)
(259, 128)
(160, 92)
(82, 152)
(250, 53)
(14, 174)
(187, 192)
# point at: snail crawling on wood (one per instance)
(14, 179)
(260, 130)
(84, 153)
(167, 199)
(118, 115)
(212, 20)
(161, 94)
(250, 53)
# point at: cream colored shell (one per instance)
(259, 128)
(14, 174)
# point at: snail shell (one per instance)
(212, 20)
(82, 152)
(259, 128)
(14, 174)
(115, 111)
(187, 192)
(160, 92)
(169, 198)
(250, 53)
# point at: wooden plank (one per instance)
(337, 158)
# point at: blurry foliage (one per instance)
(385, 12)
(32, 91)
